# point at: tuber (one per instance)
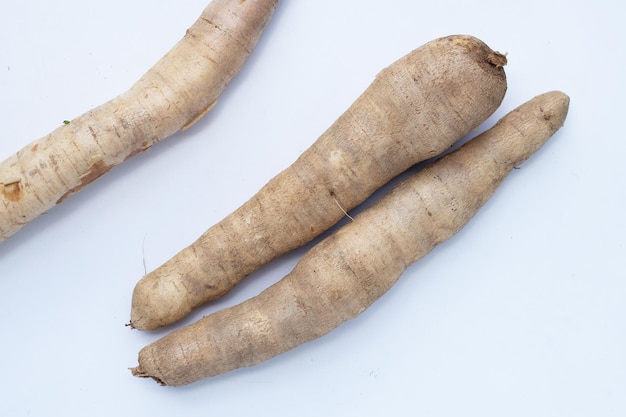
(171, 96)
(345, 273)
(414, 109)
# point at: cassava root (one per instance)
(414, 109)
(345, 273)
(171, 96)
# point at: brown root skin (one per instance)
(344, 274)
(139, 373)
(415, 109)
(170, 97)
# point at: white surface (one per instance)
(523, 313)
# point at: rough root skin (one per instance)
(414, 109)
(345, 273)
(169, 97)
(139, 373)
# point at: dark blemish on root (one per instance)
(142, 148)
(13, 191)
(95, 171)
(195, 118)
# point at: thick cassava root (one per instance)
(413, 110)
(171, 96)
(345, 273)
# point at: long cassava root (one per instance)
(414, 109)
(345, 273)
(171, 96)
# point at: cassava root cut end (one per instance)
(497, 59)
(415, 109)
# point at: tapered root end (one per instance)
(140, 373)
(524, 130)
(552, 108)
(557, 109)
(158, 300)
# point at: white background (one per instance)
(522, 313)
